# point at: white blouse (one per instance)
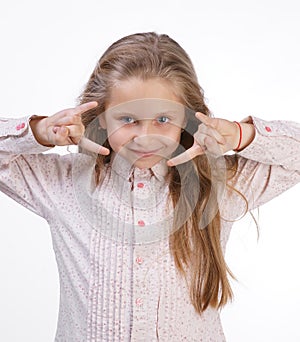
(118, 281)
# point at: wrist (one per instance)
(245, 135)
(239, 135)
(38, 129)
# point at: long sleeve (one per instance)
(26, 174)
(268, 166)
(17, 138)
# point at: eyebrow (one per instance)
(123, 113)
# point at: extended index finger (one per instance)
(85, 107)
(186, 156)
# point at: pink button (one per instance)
(20, 126)
(140, 185)
(139, 301)
(268, 129)
(141, 223)
(139, 260)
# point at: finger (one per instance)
(187, 155)
(75, 133)
(205, 131)
(61, 131)
(91, 146)
(211, 127)
(66, 118)
(206, 119)
(85, 107)
(212, 147)
(72, 115)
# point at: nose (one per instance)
(144, 132)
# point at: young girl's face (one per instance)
(143, 120)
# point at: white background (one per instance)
(247, 57)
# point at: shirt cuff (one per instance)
(17, 136)
(275, 142)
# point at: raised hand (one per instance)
(215, 136)
(65, 128)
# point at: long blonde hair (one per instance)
(196, 252)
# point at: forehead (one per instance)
(147, 108)
(135, 88)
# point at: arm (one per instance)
(27, 175)
(65, 128)
(268, 160)
(269, 165)
(275, 143)
(22, 164)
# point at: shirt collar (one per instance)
(125, 169)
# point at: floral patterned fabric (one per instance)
(118, 281)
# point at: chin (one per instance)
(143, 163)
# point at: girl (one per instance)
(140, 218)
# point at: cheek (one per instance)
(118, 138)
(175, 138)
(175, 134)
(171, 139)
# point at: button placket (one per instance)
(139, 260)
(139, 284)
(144, 300)
(140, 185)
(141, 223)
(139, 301)
(142, 189)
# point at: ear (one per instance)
(102, 121)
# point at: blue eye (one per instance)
(163, 119)
(127, 119)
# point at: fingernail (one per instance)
(92, 104)
(105, 151)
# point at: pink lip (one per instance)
(145, 153)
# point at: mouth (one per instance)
(145, 154)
